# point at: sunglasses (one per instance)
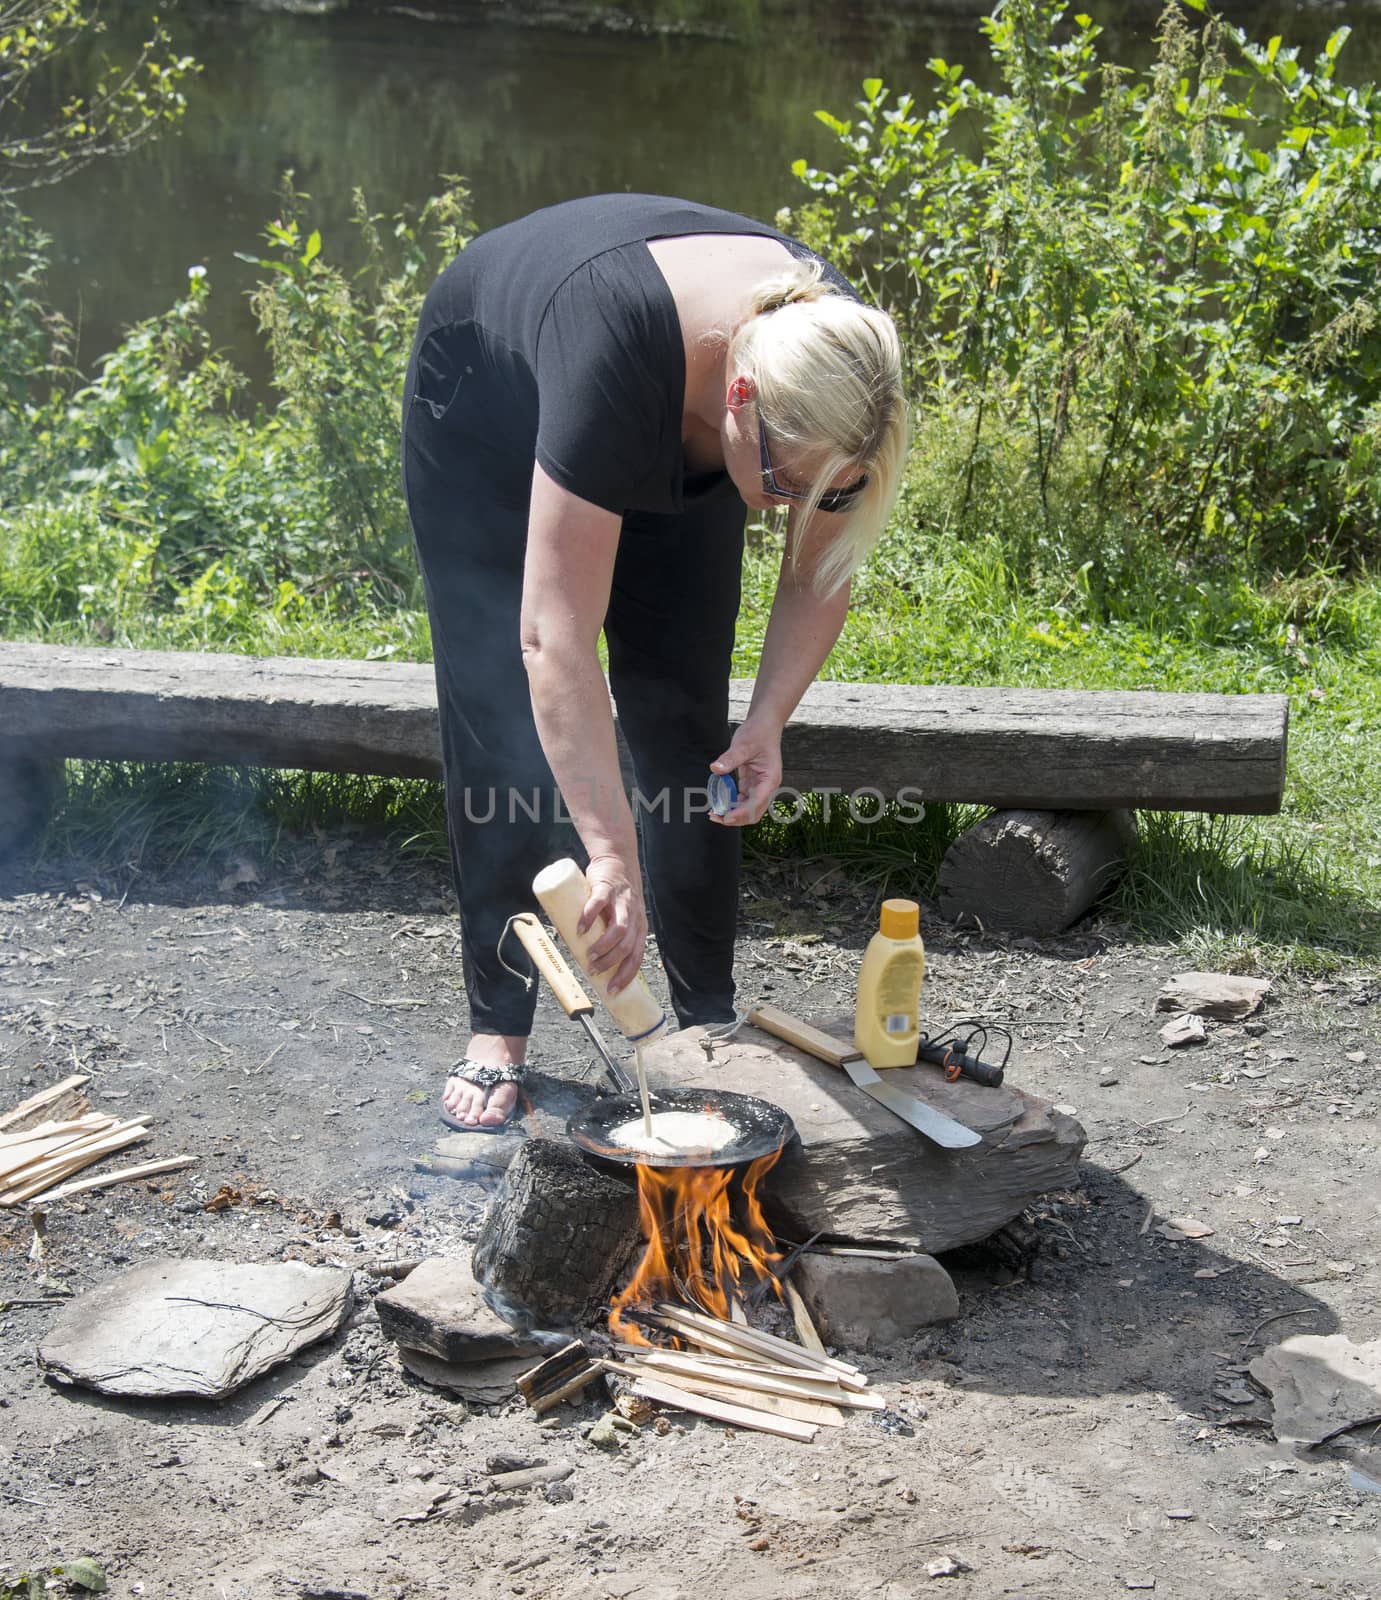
(832, 499)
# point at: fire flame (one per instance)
(695, 1249)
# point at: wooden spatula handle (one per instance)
(552, 965)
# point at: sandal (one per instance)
(482, 1076)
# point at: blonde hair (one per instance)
(828, 375)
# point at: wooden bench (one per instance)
(1061, 766)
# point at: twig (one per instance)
(253, 1072)
(401, 1004)
(223, 1048)
(1146, 1220)
(1126, 1164)
(1159, 1122)
(1299, 1311)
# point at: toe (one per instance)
(463, 1101)
(502, 1099)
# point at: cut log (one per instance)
(1032, 871)
(30, 787)
(555, 1237)
(858, 1172)
(1008, 747)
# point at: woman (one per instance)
(595, 394)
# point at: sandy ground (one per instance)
(1069, 1436)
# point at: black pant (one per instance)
(670, 634)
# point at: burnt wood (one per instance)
(1039, 748)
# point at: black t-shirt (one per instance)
(581, 360)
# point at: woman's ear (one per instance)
(742, 391)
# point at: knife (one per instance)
(935, 1125)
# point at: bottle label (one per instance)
(899, 1022)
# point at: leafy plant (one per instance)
(123, 104)
(1151, 302)
(339, 351)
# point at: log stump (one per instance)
(555, 1237)
(1032, 871)
(30, 787)
(859, 1172)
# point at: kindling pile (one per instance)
(742, 1375)
(53, 1135)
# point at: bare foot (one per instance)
(486, 1108)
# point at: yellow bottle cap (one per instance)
(900, 919)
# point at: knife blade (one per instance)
(935, 1125)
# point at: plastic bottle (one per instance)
(563, 890)
(887, 1015)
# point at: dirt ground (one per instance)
(1080, 1431)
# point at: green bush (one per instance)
(1137, 310)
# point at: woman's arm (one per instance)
(801, 632)
(567, 575)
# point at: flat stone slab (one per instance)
(479, 1383)
(1317, 1383)
(439, 1309)
(860, 1172)
(202, 1328)
(1221, 995)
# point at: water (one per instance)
(527, 114)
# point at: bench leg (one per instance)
(1033, 871)
(30, 787)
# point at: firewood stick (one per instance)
(25, 1154)
(44, 1097)
(62, 1168)
(635, 1352)
(805, 1328)
(778, 1405)
(727, 1330)
(47, 1130)
(758, 1343)
(667, 1394)
(801, 1388)
(582, 1380)
(64, 1150)
(146, 1169)
(37, 1183)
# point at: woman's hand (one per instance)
(616, 894)
(756, 756)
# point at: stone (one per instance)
(479, 1383)
(440, 1309)
(203, 1328)
(1220, 995)
(865, 1303)
(480, 1158)
(1184, 1029)
(1317, 1382)
(858, 1171)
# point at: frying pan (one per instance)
(760, 1128)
